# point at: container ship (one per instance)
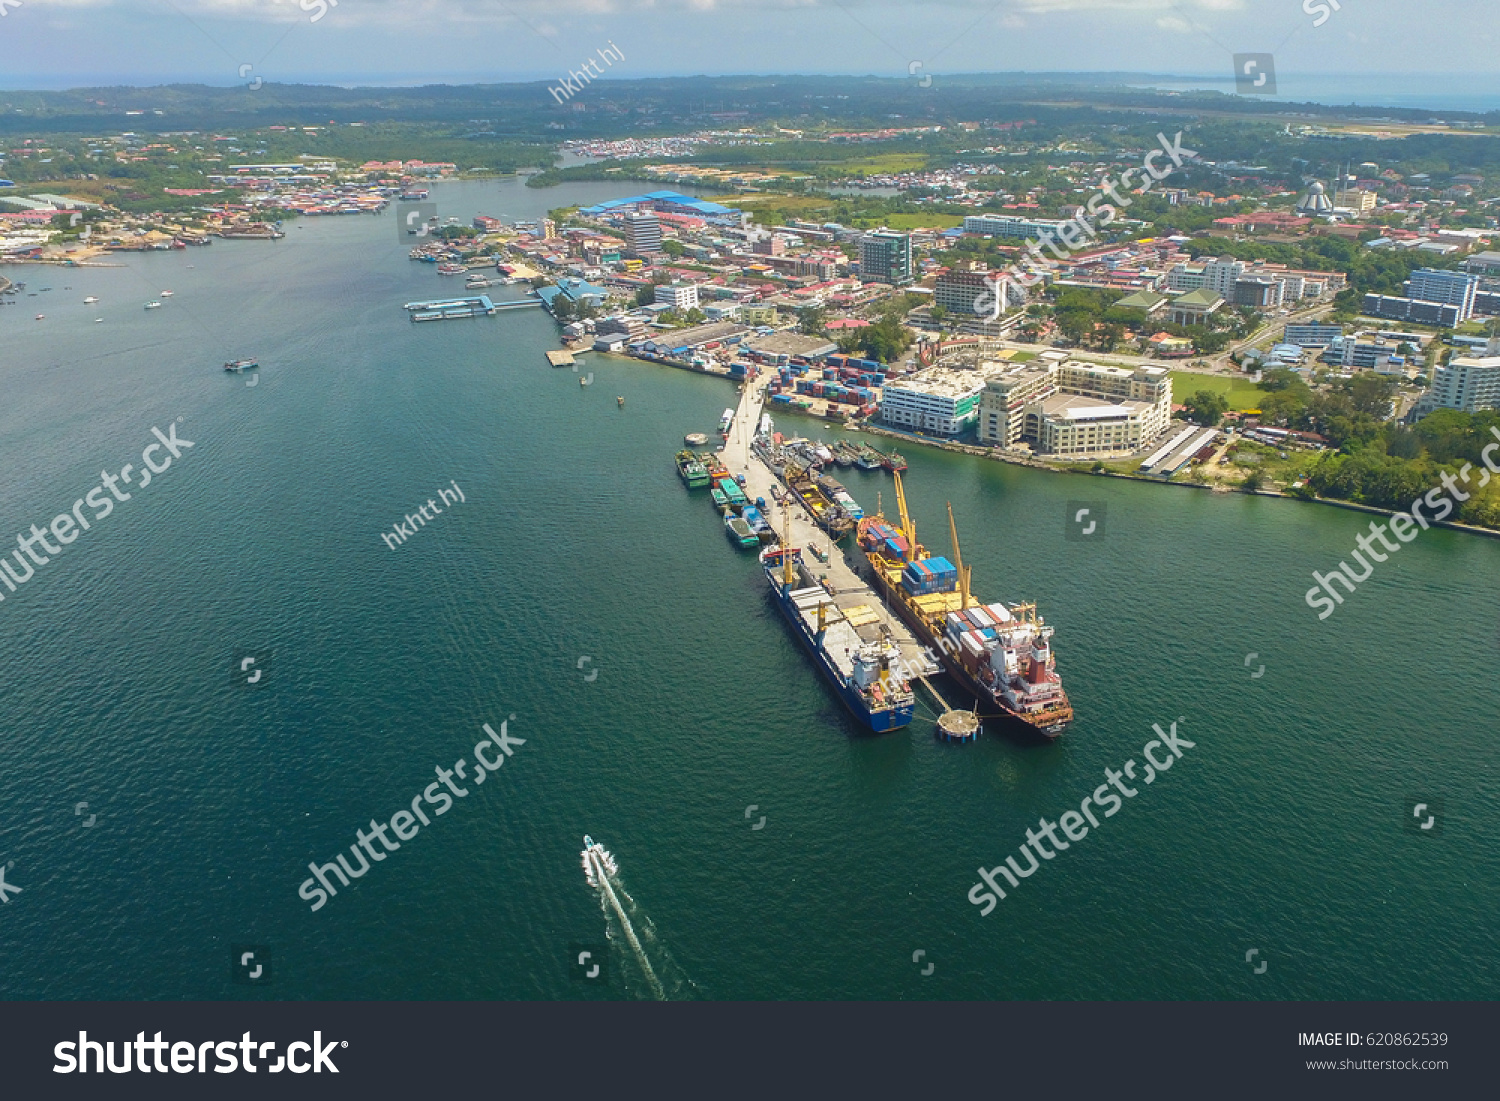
(1000, 654)
(847, 643)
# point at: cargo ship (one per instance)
(847, 643)
(826, 510)
(692, 472)
(1000, 654)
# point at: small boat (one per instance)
(894, 462)
(620, 402)
(739, 532)
(726, 421)
(41, 316)
(697, 439)
(582, 381)
(758, 524)
(693, 473)
(153, 305)
(98, 320)
(720, 499)
(869, 458)
(451, 269)
(90, 300)
(241, 364)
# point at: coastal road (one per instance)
(851, 590)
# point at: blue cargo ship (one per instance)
(847, 643)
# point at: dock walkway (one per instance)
(850, 590)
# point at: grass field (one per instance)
(1240, 393)
(923, 221)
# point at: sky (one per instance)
(1384, 47)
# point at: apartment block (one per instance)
(1075, 409)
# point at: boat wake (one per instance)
(603, 874)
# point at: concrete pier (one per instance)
(850, 591)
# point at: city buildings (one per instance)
(1412, 309)
(940, 401)
(1469, 383)
(885, 257)
(958, 289)
(1195, 307)
(1453, 288)
(1008, 225)
(1311, 335)
(680, 296)
(642, 232)
(1073, 409)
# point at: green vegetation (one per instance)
(1238, 394)
(1205, 407)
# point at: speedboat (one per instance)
(166, 294)
(40, 316)
(153, 305)
(90, 300)
(241, 364)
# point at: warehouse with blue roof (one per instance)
(669, 202)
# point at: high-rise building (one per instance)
(1452, 288)
(643, 232)
(1470, 383)
(885, 257)
(957, 290)
(549, 229)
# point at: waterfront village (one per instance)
(1177, 356)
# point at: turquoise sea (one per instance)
(581, 589)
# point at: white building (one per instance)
(1075, 409)
(680, 296)
(940, 401)
(1470, 383)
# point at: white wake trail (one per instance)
(601, 875)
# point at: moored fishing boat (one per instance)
(692, 472)
(739, 531)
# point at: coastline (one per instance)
(1034, 464)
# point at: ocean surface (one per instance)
(664, 707)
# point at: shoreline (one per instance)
(1034, 464)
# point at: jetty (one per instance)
(850, 591)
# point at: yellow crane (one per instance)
(908, 526)
(958, 562)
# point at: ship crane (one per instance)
(958, 561)
(908, 526)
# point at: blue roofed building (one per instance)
(669, 202)
(578, 290)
